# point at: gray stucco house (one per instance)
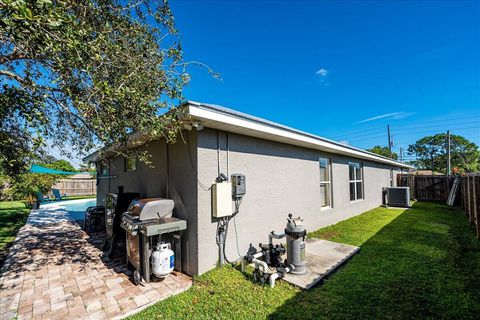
(287, 171)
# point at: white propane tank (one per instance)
(163, 260)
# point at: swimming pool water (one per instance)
(76, 210)
(78, 206)
(58, 211)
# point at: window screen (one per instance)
(325, 182)
(356, 180)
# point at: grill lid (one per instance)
(151, 208)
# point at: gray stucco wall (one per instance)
(281, 179)
(172, 176)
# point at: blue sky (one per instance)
(339, 69)
(325, 66)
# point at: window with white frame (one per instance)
(355, 180)
(325, 183)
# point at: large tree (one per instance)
(431, 153)
(62, 165)
(383, 151)
(83, 73)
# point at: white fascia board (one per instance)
(270, 132)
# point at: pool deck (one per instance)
(55, 270)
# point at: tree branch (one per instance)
(26, 82)
(15, 55)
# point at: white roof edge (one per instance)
(214, 115)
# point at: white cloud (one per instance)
(322, 72)
(322, 77)
(344, 141)
(393, 115)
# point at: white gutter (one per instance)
(215, 118)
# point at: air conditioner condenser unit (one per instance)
(398, 196)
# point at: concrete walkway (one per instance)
(322, 258)
(57, 271)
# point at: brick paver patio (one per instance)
(57, 271)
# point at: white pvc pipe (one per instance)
(260, 263)
(272, 235)
(258, 254)
(275, 275)
(272, 279)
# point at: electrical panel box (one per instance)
(239, 187)
(221, 199)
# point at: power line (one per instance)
(394, 131)
(451, 119)
(429, 131)
(439, 125)
(370, 137)
(448, 122)
(360, 132)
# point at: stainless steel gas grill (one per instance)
(151, 234)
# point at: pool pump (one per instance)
(270, 255)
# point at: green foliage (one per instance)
(23, 186)
(89, 73)
(62, 165)
(17, 148)
(420, 263)
(383, 151)
(13, 215)
(431, 153)
(27, 185)
(87, 167)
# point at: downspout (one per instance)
(168, 168)
(218, 153)
(228, 150)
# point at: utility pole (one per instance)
(449, 169)
(389, 142)
(390, 153)
(449, 165)
(401, 154)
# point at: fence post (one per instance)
(469, 197)
(472, 202)
(476, 212)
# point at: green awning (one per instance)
(39, 169)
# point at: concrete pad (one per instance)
(322, 258)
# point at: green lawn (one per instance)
(418, 263)
(13, 215)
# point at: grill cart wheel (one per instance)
(137, 278)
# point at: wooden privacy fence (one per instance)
(428, 188)
(77, 187)
(471, 199)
